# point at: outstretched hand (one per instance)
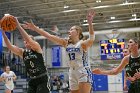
(131, 78)
(90, 15)
(96, 71)
(137, 75)
(28, 25)
(17, 22)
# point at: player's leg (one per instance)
(43, 88)
(7, 91)
(85, 80)
(84, 87)
(31, 87)
(44, 85)
(74, 91)
(73, 82)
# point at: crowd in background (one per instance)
(59, 85)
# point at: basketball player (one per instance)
(131, 63)
(80, 72)
(8, 77)
(33, 59)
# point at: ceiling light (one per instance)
(88, 24)
(112, 17)
(84, 20)
(114, 21)
(85, 24)
(134, 15)
(108, 6)
(127, 3)
(106, 22)
(101, 7)
(134, 19)
(70, 10)
(98, 1)
(65, 6)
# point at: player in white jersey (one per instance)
(79, 66)
(79, 75)
(8, 77)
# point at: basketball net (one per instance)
(114, 34)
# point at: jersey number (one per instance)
(31, 64)
(9, 79)
(72, 56)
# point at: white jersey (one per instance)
(77, 56)
(9, 79)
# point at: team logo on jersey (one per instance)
(30, 57)
(73, 49)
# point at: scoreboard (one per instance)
(112, 49)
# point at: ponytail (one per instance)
(81, 36)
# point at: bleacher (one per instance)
(21, 86)
(21, 83)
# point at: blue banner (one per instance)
(56, 56)
(100, 82)
(0, 46)
(8, 35)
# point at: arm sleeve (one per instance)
(92, 37)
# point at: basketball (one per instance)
(8, 23)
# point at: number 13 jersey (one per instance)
(77, 56)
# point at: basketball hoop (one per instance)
(114, 34)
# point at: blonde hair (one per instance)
(79, 29)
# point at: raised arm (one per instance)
(125, 82)
(16, 50)
(34, 45)
(114, 71)
(53, 38)
(88, 43)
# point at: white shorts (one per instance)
(79, 75)
(9, 86)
